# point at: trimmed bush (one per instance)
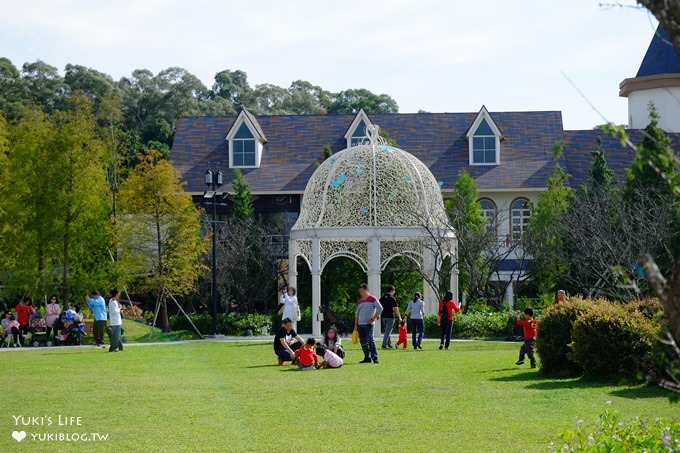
(484, 325)
(611, 343)
(554, 337)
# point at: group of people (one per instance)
(63, 326)
(290, 347)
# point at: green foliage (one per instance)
(653, 166)
(485, 325)
(600, 175)
(55, 210)
(160, 231)
(242, 199)
(555, 335)
(612, 433)
(543, 239)
(232, 324)
(611, 343)
(465, 216)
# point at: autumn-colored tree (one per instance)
(160, 232)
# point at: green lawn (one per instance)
(208, 396)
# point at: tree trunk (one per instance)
(668, 291)
(65, 271)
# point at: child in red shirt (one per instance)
(530, 330)
(403, 334)
(305, 357)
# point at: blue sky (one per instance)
(434, 55)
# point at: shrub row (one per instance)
(233, 324)
(602, 340)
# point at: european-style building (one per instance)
(509, 154)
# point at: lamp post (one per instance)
(213, 179)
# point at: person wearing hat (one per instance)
(561, 297)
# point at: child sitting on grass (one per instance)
(305, 357)
(530, 329)
(403, 335)
(330, 358)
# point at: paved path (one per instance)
(217, 339)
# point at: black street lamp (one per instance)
(213, 179)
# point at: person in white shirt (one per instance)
(291, 310)
(115, 322)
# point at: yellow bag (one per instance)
(355, 337)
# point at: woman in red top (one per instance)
(24, 311)
(447, 308)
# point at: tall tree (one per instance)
(600, 175)
(543, 239)
(242, 199)
(58, 201)
(160, 232)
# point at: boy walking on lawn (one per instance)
(530, 329)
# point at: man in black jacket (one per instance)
(390, 309)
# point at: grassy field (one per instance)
(210, 396)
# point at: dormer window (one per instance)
(246, 141)
(243, 148)
(356, 134)
(484, 140)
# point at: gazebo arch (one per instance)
(370, 203)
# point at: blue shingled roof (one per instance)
(578, 146)
(295, 146)
(661, 57)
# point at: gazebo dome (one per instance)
(371, 185)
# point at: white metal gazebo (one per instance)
(371, 203)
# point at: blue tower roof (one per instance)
(661, 57)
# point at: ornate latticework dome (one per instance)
(371, 185)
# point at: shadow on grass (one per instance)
(264, 366)
(641, 392)
(519, 377)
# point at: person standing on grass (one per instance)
(98, 306)
(284, 348)
(115, 322)
(368, 311)
(390, 309)
(530, 330)
(416, 308)
(291, 310)
(52, 312)
(447, 308)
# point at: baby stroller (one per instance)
(72, 331)
(38, 329)
(332, 318)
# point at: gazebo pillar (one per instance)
(316, 287)
(430, 296)
(292, 264)
(373, 274)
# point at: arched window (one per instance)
(488, 212)
(520, 213)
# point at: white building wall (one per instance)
(666, 101)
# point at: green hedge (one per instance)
(554, 337)
(233, 324)
(613, 343)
